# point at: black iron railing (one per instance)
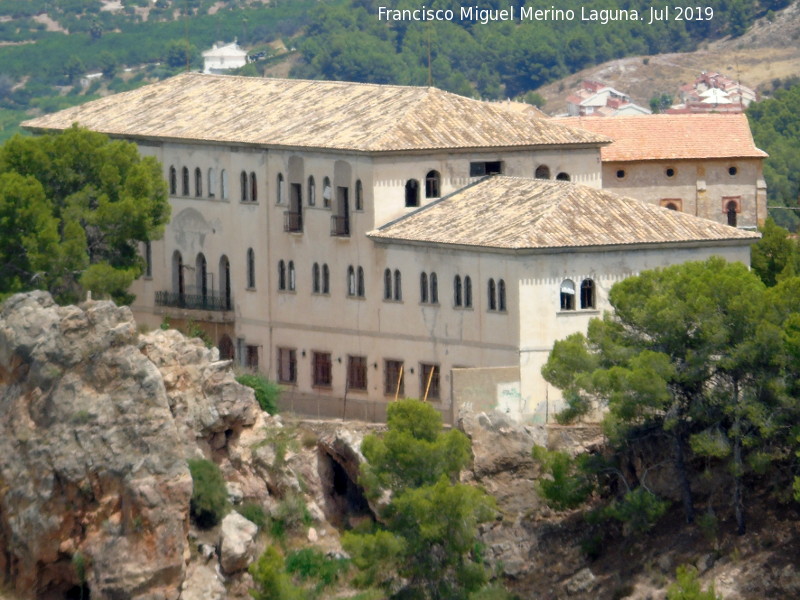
(292, 221)
(340, 226)
(195, 299)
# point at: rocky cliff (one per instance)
(97, 422)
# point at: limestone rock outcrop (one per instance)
(94, 484)
(237, 543)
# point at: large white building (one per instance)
(361, 242)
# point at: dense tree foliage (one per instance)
(776, 256)
(776, 130)
(495, 59)
(73, 209)
(700, 354)
(429, 538)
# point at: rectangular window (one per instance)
(479, 169)
(287, 365)
(251, 360)
(429, 381)
(148, 259)
(393, 378)
(321, 365)
(357, 372)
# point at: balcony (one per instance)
(195, 299)
(293, 221)
(340, 226)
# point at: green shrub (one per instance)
(266, 391)
(271, 580)
(639, 510)
(254, 513)
(310, 563)
(687, 587)
(209, 496)
(569, 486)
(290, 515)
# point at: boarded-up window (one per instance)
(393, 378)
(357, 372)
(429, 381)
(321, 366)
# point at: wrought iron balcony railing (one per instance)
(293, 221)
(195, 299)
(340, 226)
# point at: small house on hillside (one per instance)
(224, 57)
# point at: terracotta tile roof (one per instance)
(533, 213)
(672, 137)
(312, 114)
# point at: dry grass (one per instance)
(769, 50)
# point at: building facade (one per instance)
(705, 165)
(363, 242)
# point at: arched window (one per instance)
(730, 209)
(567, 295)
(587, 293)
(412, 193)
(327, 192)
(501, 295)
(563, 177)
(542, 172)
(467, 292)
(326, 279)
(432, 187)
(251, 268)
(671, 206)
(243, 186)
(292, 277)
(434, 283)
(225, 280)
(178, 286)
(148, 259)
(202, 276)
(315, 286)
(360, 291)
(351, 281)
(281, 275)
(458, 298)
(185, 177)
(253, 187)
(212, 183)
(223, 178)
(173, 181)
(398, 290)
(279, 189)
(423, 287)
(359, 195)
(198, 182)
(387, 284)
(312, 191)
(492, 295)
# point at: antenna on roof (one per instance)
(186, 31)
(430, 69)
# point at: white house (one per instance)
(224, 57)
(360, 242)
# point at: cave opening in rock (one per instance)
(346, 504)
(77, 592)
